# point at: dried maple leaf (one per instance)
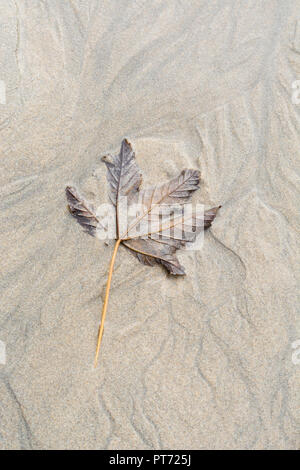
(159, 225)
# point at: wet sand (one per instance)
(201, 362)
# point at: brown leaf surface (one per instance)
(82, 210)
(161, 227)
(159, 234)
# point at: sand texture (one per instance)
(209, 361)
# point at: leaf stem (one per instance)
(104, 308)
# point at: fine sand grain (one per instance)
(206, 361)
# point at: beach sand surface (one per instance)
(207, 361)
